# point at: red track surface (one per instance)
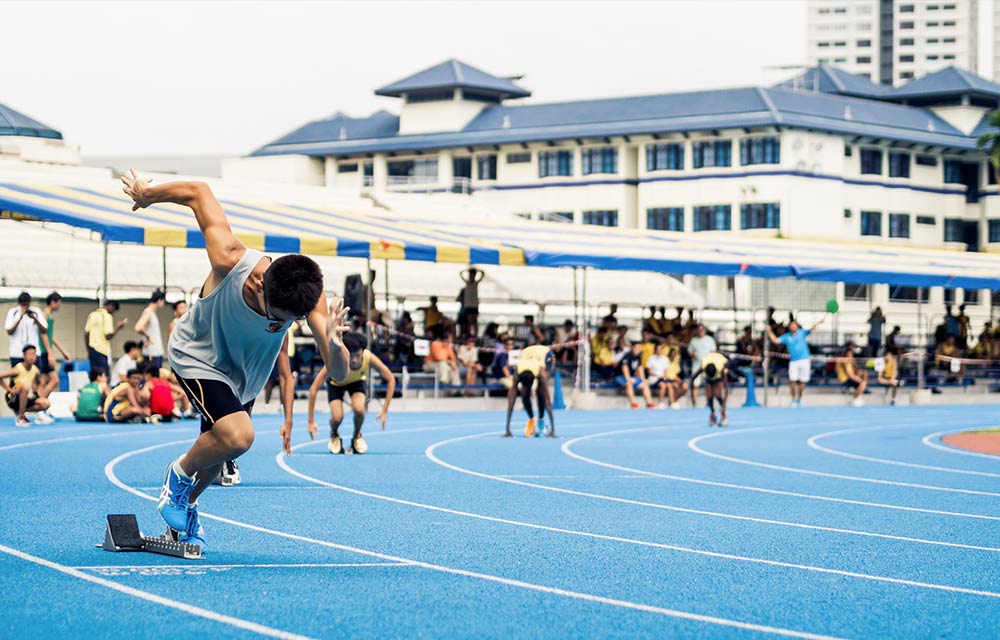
(981, 442)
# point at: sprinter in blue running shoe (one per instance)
(224, 348)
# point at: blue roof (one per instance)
(827, 78)
(948, 81)
(692, 111)
(452, 74)
(14, 123)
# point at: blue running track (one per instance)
(851, 523)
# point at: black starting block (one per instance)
(123, 534)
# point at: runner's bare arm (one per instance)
(287, 386)
(314, 388)
(224, 249)
(390, 387)
(328, 327)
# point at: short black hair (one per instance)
(355, 342)
(179, 303)
(29, 347)
(96, 373)
(157, 296)
(293, 283)
(53, 297)
(129, 345)
(113, 304)
(132, 372)
(150, 368)
(710, 370)
(24, 298)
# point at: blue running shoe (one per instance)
(173, 502)
(193, 532)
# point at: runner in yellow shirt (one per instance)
(534, 364)
(715, 368)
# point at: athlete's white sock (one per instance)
(179, 471)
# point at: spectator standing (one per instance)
(876, 323)
(403, 350)
(98, 332)
(799, 365)
(433, 318)
(951, 324)
(24, 326)
(890, 339)
(700, 346)
(148, 327)
(610, 321)
(470, 301)
(963, 327)
(47, 358)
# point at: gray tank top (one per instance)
(221, 338)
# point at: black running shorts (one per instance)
(336, 393)
(214, 400)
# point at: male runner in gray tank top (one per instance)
(223, 349)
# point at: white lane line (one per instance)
(198, 565)
(245, 487)
(95, 436)
(109, 471)
(566, 448)
(929, 440)
(693, 445)
(598, 536)
(813, 442)
(214, 616)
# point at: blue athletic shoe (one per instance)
(193, 532)
(173, 502)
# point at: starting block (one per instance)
(122, 534)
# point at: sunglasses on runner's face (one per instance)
(277, 324)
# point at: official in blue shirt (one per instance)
(799, 365)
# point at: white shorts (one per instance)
(799, 370)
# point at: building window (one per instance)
(421, 170)
(369, 169)
(932, 40)
(952, 172)
(840, 43)
(712, 153)
(855, 292)
(926, 161)
(991, 174)
(906, 75)
(665, 218)
(871, 161)
(949, 41)
(899, 225)
(906, 42)
(486, 167)
(665, 157)
(899, 165)
(864, 44)
(948, 7)
(948, 23)
(347, 167)
(932, 7)
(906, 58)
(600, 160)
(994, 231)
(557, 216)
(906, 25)
(928, 220)
(871, 223)
(519, 158)
(601, 218)
(908, 294)
(824, 45)
(555, 163)
(847, 214)
(906, 8)
(760, 151)
(863, 59)
(949, 56)
(933, 57)
(970, 296)
(931, 25)
(713, 218)
(952, 230)
(765, 215)
(848, 150)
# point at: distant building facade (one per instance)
(893, 41)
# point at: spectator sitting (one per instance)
(850, 376)
(90, 398)
(441, 361)
(748, 346)
(132, 351)
(948, 353)
(610, 321)
(162, 398)
(664, 369)
(889, 375)
(890, 339)
(603, 355)
(501, 368)
(649, 343)
(404, 338)
(533, 334)
(619, 347)
(468, 360)
(565, 334)
(22, 389)
(124, 403)
(633, 377)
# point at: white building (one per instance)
(892, 41)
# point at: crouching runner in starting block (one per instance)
(224, 348)
(533, 368)
(355, 387)
(715, 369)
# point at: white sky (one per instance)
(145, 78)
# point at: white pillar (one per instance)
(330, 170)
(446, 171)
(380, 172)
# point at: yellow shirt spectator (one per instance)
(99, 325)
(648, 348)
